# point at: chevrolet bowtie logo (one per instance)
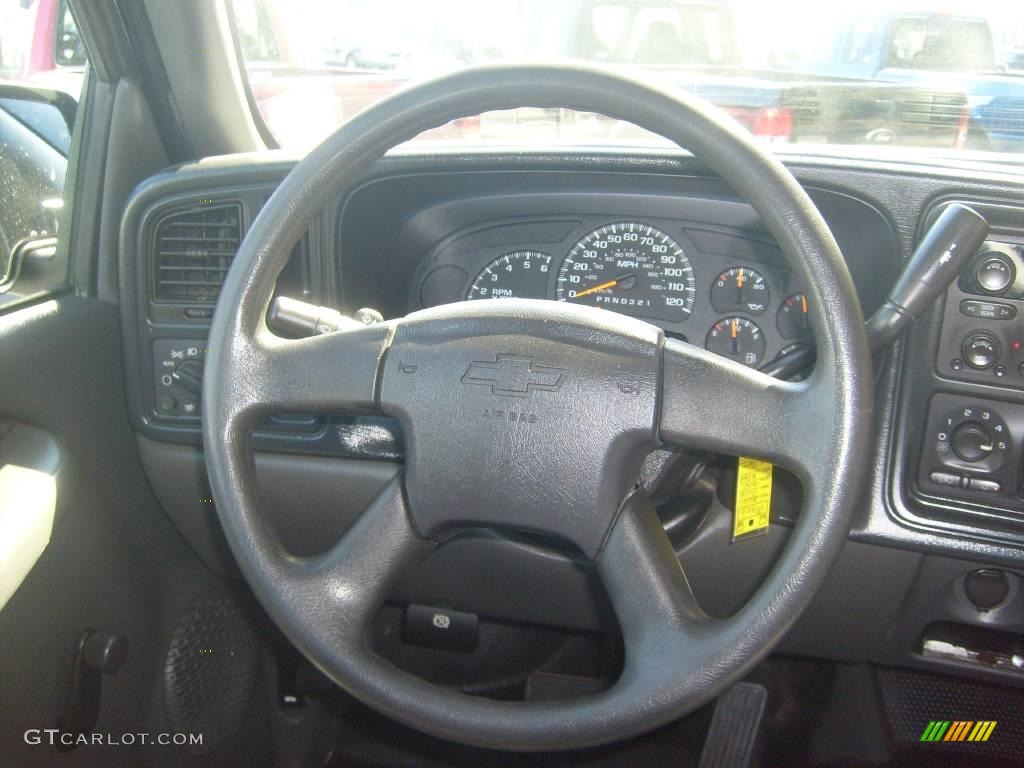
(514, 376)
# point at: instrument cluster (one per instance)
(749, 311)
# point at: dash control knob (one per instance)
(980, 350)
(177, 377)
(187, 378)
(971, 438)
(972, 442)
(994, 273)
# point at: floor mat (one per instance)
(368, 740)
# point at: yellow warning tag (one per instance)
(753, 498)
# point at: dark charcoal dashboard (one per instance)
(655, 236)
(682, 253)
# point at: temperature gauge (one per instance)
(737, 338)
(794, 318)
(740, 289)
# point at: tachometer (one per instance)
(631, 268)
(519, 274)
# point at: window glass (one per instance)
(39, 47)
(946, 78)
(255, 31)
(941, 44)
(69, 51)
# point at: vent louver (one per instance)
(194, 248)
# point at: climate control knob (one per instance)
(187, 379)
(981, 350)
(972, 442)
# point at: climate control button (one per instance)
(947, 479)
(985, 486)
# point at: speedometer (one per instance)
(631, 268)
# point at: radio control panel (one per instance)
(982, 336)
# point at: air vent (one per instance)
(194, 249)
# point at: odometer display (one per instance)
(630, 268)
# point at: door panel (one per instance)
(113, 558)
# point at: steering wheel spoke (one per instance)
(713, 403)
(331, 372)
(341, 589)
(657, 611)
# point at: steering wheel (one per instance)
(536, 416)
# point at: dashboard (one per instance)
(678, 250)
(668, 244)
(658, 237)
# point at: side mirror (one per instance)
(49, 115)
(26, 253)
(35, 140)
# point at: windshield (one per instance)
(851, 72)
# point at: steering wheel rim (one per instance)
(650, 390)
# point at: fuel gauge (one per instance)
(794, 318)
(737, 338)
(740, 289)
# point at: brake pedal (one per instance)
(734, 738)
